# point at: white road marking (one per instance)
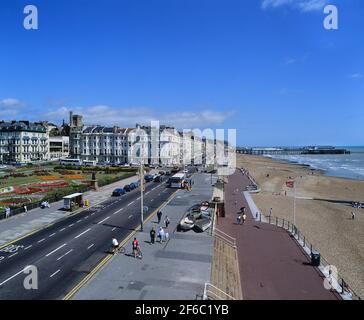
(138, 198)
(62, 229)
(83, 233)
(118, 210)
(103, 220)
(53, 274)
(14, 254)
(130, 216)
(60, 247)
(130, 203)
(152, 200)
(89, 247)
(113, 229)
(13, 276)
(41, 240)
(147, 192)
(71, 224)
(51, 235)
(65, 254)
(28, 247)
(78, 221)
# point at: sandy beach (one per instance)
(326, 223)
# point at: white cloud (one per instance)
(302, 5)
(356, 76)
(9, 107)
(10, 102)
(128, 117)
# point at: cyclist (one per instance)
(136, 248)
(115, 245)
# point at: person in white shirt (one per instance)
(115, 245)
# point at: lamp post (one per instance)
(141, 194)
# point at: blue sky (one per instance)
(265, 67)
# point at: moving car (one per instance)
(118, 192)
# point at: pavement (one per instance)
(23, 224)
(66, 251)
(272, 265)
(177, 269)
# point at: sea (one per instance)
(349, 166)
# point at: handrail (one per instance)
(208, 292)
(224, 236)
(340, 285)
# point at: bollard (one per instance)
(276, 221)
(304, 241)
(260, 218)
(269, 219)
(283, 224)
(342, 286)
(311, 247)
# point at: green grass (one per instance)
(102, 177)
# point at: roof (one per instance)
(74, 195)
(11, 126)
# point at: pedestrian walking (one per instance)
(167, 222)
(7, 212)
(161, 234)
(352, 215)
(25, 208)
(152, 236)
(238, 219)
(159, 216)
(244, 217)
(270, 211)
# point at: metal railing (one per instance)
(334, 280)
(214, 293)
(225, 237)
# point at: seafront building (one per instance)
(23, 142)
(97, 143)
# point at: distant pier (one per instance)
(292, 151)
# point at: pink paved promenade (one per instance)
(271, 263)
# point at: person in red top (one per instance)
(135, 245)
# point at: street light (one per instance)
(141, 194)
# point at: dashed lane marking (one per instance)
(69, 251)
(55, 250)
(90, 246)
(82, 233)
(53, 274)
(103, 220)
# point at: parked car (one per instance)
(132, 186)
(158, 179)
(148, 178)
(118, 192)
(127, 188)
(162, 173)
(168, 173)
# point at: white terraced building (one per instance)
(23, 142)
(97, 143)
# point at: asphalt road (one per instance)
(66, 251)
